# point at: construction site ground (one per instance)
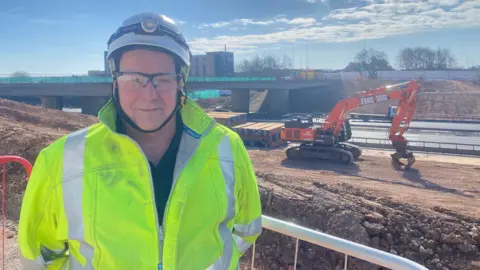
(430, 214)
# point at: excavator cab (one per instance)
(392, 110)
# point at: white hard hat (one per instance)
(152, 30)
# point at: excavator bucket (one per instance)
(410, 160)
(401, 152)
(396, 160)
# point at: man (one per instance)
(156, 184)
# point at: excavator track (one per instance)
(308, 151)
(352, 148)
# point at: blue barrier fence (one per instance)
(103, 79)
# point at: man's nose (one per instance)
(150, 89)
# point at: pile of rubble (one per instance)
(24, 131)
(438, 239)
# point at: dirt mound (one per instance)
(430, 214)
(436, 239)
(24, 131)
(450, 86)
(213, 103)
(256, 101)
(448, 98)
(448, 105)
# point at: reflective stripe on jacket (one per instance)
(90, 203)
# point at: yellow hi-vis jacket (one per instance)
(89, 203)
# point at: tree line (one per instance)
(417, 58)
(366, 60)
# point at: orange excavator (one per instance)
(327, 139)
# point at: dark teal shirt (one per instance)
(162, 173)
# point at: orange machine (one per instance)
(327, 139)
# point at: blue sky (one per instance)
(65, 37)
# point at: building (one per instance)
(212, 64)
(223, 64)
(198, 66)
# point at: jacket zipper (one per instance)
(159, 229)
(160, 232)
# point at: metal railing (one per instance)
(426, 146)
(385, 128)
(349, 248)
(107, 78)
(447, 118)
(428, 117)
(3, 162)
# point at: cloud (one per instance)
(245, 22)
(378, 19)
(445, 2)
(252, 22)
(345, 15)
(235, 28)
(214, 25)
(11, 13)
(303, 21)
(13, 10)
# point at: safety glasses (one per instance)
(136, 81)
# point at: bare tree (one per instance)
(269, 65)
(421, 58)
(287, 62)
(374, 60)
(271, 62)
(369, 60)
(20, 74)
(444, 59)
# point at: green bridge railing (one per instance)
(96, 79)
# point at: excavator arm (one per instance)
(400, 123)
(405, 109)
(404, 92)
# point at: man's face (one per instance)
(147, 106)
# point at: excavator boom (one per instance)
(404, 92)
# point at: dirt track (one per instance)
(454, 186)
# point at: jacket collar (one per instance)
(194, 118)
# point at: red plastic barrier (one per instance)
(28, 167)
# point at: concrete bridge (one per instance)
(282, 95)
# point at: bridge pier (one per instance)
(91, 105)
(52, 102)
(316, 99)
(276, 102)
(241, 101)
